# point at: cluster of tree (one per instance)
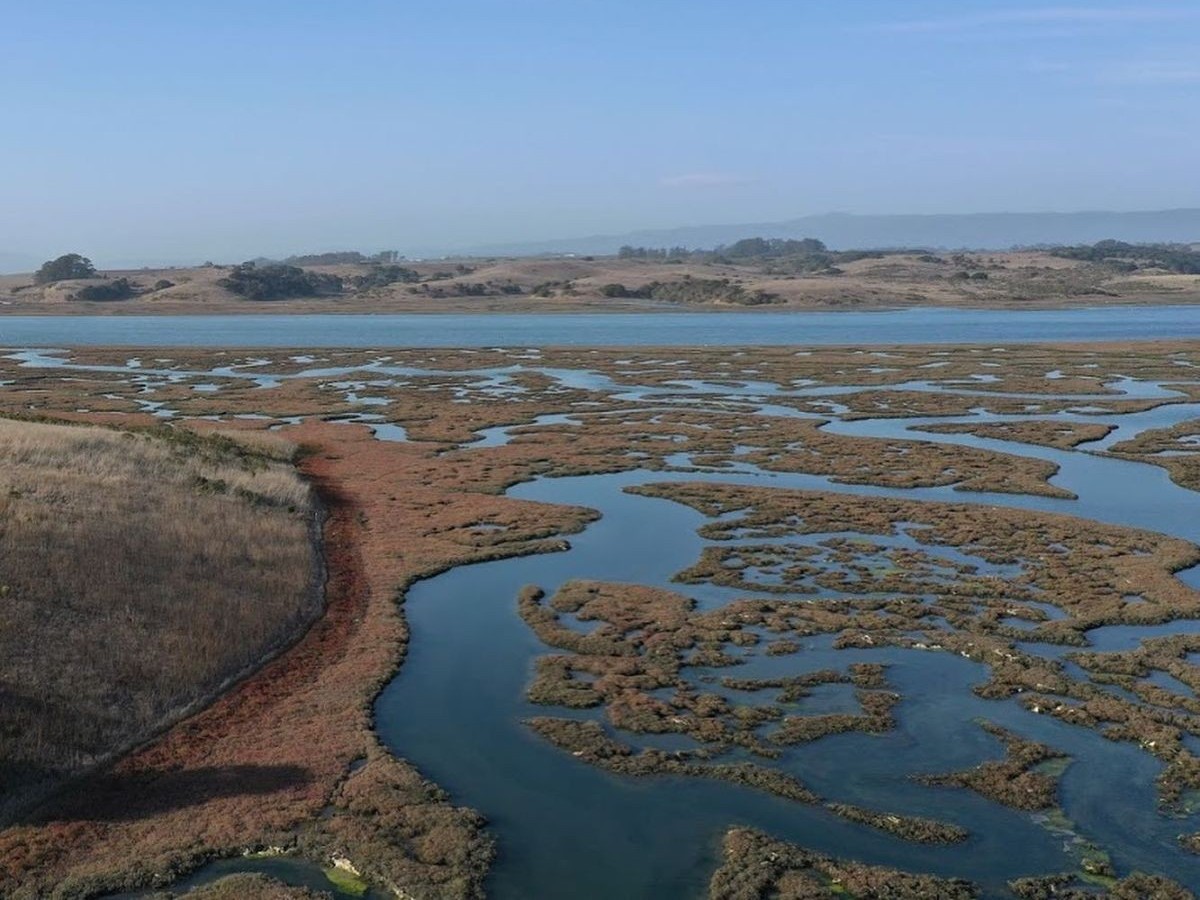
(279, 282)
(771, 248)
(774, 255)
(755, 248)
(116, 289)
(659, 253)
(1178, 258)
(65, 267)
(383, 275)
(692, 290)
(344, 258)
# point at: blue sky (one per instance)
(175, 131)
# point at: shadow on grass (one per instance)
(128, 796)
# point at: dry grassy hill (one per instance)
(138, 573)
(563, 284)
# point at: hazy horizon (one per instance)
(160, 133)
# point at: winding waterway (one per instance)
(457, 708)
(566, 829)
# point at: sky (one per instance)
(152, 131)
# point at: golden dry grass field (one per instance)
(139, 574)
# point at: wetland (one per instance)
(887, 620)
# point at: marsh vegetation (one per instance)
(860, 548)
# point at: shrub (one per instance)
(279, 282)
(614, 290)
(547, 288)
(117, 289)
(706, 290)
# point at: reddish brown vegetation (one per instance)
(1016, 780)
(1047, 432)
(756, 866)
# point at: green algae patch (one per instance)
(1055, 820)
(1053, 768)
(346, 881)
(1095, 865)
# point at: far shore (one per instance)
(859, 282)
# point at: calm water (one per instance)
(678, 329)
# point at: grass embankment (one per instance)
(288, 757)
(139, 572)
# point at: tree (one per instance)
(69, 265)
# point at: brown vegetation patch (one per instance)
(1176, 449)
(713, 440)
(756, 866)
(1081, 568)
(646, 638)
(1135, 886)
(1046, 432)
(1020, 780)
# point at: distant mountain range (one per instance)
(846, 231)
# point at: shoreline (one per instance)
(309, 307)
